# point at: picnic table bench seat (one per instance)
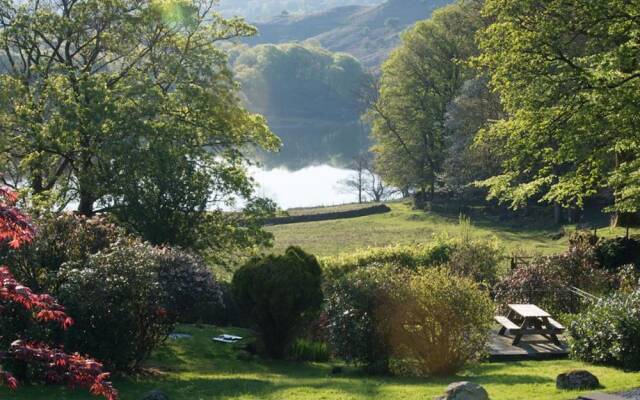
(507, 323)
(557, 325)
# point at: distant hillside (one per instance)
(310, 98)
(259, 10)
(369, 33)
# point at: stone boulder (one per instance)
(577, 380)
(465, 391)
(155, 395)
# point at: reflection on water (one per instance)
(308, 187)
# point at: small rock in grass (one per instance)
(465, 391)
(155, 395)
(577, 380)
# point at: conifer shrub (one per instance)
(280, 295)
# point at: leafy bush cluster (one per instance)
(478, 259)
(280, 294)
(612, 254)
(609, 332)
(60, 238)
(194, 295)
(126, 294)
(126, 316)
(354, 331)
(546, 281)
(436, 321)
(428, 322)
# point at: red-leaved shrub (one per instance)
(43, 362)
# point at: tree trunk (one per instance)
(557, 213)
(625, 220)
(86, 205)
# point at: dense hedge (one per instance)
(125, 294)
(479, 259)
(352, 301)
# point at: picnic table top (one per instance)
(529, 311)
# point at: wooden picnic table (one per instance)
(529, 319)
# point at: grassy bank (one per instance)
(199, 369)
(404, 225)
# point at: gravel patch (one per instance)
(632, 395)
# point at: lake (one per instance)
(309, 187)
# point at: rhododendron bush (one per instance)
(30, 359)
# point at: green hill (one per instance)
(369, 33)
(403, 225)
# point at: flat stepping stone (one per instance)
(600, 396)
(179, 336)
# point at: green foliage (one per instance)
(437, 322)
(477, 259)
(140, 115)
(480, 260)
(386, 318)
(436, 252)
(568, 75)
(418, 81)
(354, 332)
(119, 304)
(194, 294)
(197, 367)
(280, 294)
(609, 332)
(306, 350)
(60, 238)
(617, 252)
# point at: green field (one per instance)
(200, 369)
(404, 225)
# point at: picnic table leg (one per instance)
(523, 327)
(503, 330)
(517, 339)
(552, 336)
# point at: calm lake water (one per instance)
(308, 187)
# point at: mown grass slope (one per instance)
(404, 226)
(200, 369)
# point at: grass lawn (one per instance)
(199, 369)
(404, 225)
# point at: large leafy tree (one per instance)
(418, 82)
(126, 106)
(568, 72)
